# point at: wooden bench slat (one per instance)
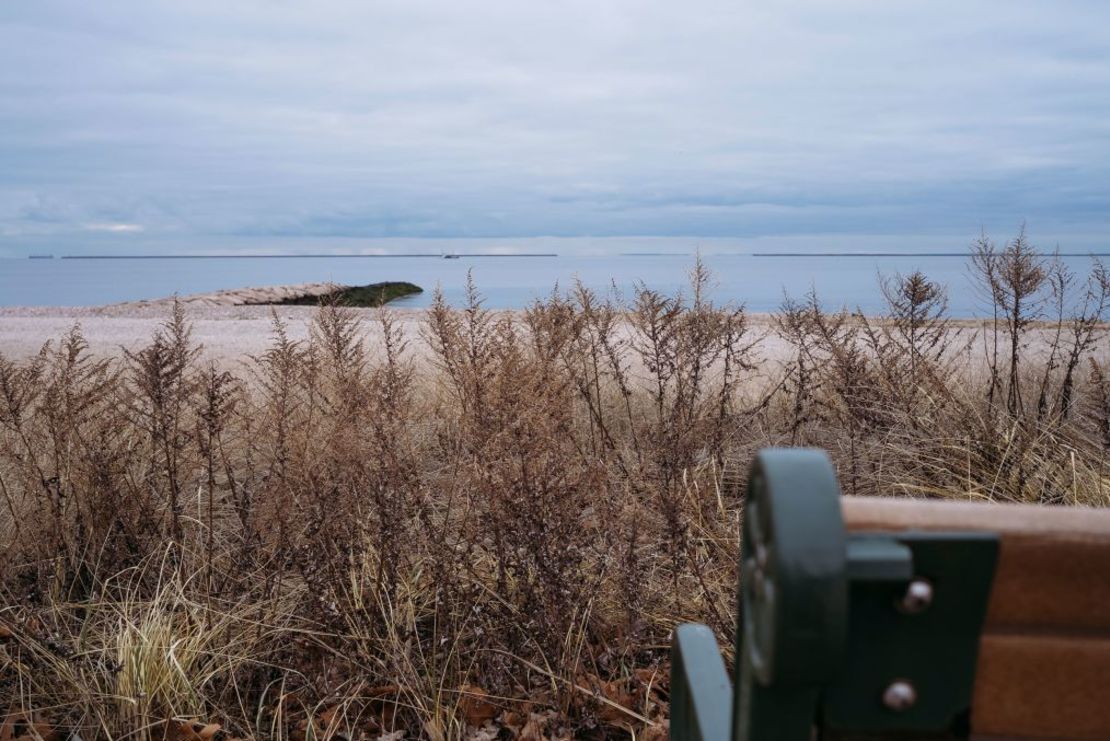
(1042, 687)
(893, 513)
(1042, 585)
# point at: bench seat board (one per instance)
(1044, 656)
(1042, 686)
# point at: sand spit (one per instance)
(238, 296)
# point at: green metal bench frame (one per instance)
(870, 635)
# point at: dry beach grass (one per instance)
(460, 523)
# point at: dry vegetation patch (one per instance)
(492, 538)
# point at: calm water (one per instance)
(506, 282)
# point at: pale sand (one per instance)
(230, 325)
(227, 333)
(230, 331)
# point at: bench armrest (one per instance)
(701, 696)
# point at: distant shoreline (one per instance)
(460, 255)
(271, 257)
(964, 255)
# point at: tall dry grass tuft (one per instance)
(498, 521)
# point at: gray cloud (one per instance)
(433, 118)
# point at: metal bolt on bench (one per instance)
(857, 635)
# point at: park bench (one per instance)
(882, 618)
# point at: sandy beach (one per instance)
(226, 333)
(232, 325)
(229, 325)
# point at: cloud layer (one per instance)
(629, 117)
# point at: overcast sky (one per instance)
(537, 117)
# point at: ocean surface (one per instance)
(760, 282)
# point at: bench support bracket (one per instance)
(863, 634)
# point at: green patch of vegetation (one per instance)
(375, 294)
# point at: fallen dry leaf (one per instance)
(488, 732)
(658, 732)
(381, 707)
(653, 677)
(536, 727)
(617, 693)
(514, 720)
(191, 730)
(20, 725)
(475, 706)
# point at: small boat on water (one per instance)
(451, 257)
